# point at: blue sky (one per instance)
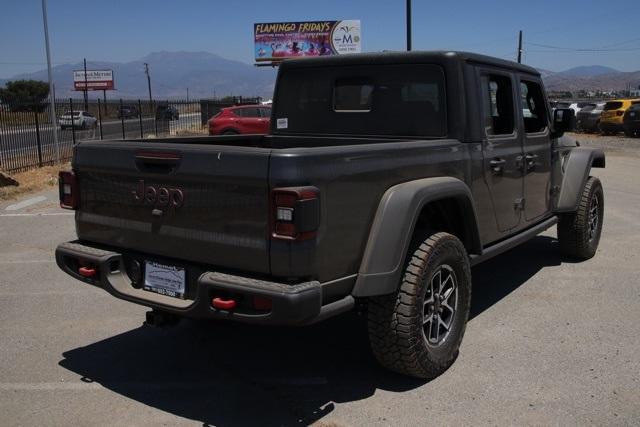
(117, 30)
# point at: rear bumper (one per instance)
(291, 304)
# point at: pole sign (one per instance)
(96, 80)
(280, 40)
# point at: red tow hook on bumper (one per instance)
(87, 271)
(223, 304)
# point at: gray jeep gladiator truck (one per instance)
(384, 179)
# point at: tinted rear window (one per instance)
(388, 100)
(613, 105)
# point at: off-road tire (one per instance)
(578, 239)
(395, 321)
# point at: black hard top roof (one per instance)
(438, 56)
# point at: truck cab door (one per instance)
(536, 165)
(502, 148)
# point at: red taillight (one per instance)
(619, 113)
(68, 189)
(295, 213)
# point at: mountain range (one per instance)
(206, 75)
(593, 77)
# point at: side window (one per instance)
(240, 112)
(498, 105)
(251, 112)
(534, 111)
(266, 112)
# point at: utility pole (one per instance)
(520, 47)
(86, 87)
(408, 25)
(187, 94)
(146, 71)
(52, 99)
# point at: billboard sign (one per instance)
(96, 80)
(280, 40)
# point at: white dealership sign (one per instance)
(95, 80)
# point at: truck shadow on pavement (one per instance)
(227, 374)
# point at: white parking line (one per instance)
(25, 203)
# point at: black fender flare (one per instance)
(392, 230)
(576, 169)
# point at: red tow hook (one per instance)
(223, 304)
(87, 271)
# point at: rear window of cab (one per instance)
(385, 100)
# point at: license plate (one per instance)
(164, 279)
(632, 113)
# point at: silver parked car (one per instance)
(80, 120)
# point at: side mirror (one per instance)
(563, 121)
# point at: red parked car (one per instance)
(241, 119)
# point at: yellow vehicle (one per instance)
(612, 115)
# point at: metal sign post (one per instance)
(86, 87)
(52, 104)
(408, 25)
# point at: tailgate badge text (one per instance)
(163, 196)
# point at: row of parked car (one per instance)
(85, 120)
(608, 118)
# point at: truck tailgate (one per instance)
(200, 203)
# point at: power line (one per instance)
(621, 43)
(580, 49)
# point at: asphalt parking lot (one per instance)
(549, 342)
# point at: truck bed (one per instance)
(225, 181)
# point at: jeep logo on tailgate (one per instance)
(163, 196)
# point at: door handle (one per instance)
(530, 161)
(497, 166)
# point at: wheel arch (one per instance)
(229, 129)
(429, 204)
(576, 170)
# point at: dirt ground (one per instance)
(32, 181)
